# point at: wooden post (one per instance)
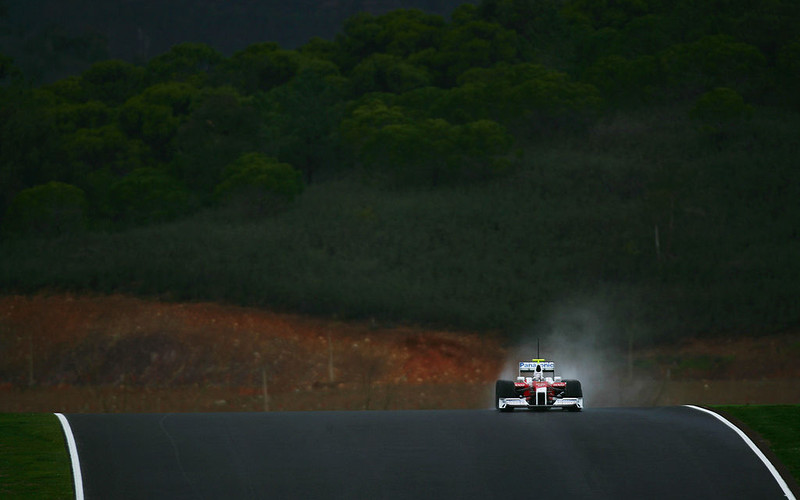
(30, 360)
(630, 354)
(264, 386)
(330, 359)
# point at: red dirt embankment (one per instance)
(209, 356)
(117, 353)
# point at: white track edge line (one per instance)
(73, 455)
(778, 478)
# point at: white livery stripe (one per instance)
(785, 487)
(73, 455)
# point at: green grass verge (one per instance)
(34, 462)
(779, 425)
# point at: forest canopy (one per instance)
(408, 95)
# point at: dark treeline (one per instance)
(636, 158)
(53, 38)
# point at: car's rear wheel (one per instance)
(504, 389)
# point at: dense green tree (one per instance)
(483, 147)
(387, 73)
(320, 49)
(645, 35)
(28, 141)
(623, 80)
(222, 126)
(474, 44)
(415, 153)
(434, 152)
(90, 139)
(152, 124)
(69, 89)
(770, 26)
(259, 184)
(399, 33)
(90, 149)
(483, 139)
(257, 68)
(788, 62)
(391, 142)
(713, 61)
(721, 108)
(596, 44)
(155, 115)
(359, 39)
(435, 101)
(178, 96)
(185, 62)
(547, 32)
(540, 98)
(71, 116)
(148, 195)
(464, 14)
(113, 82)
(408, 31)
(48, 209)
(301, 117)
(370, 114)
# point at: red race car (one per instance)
(538, 388)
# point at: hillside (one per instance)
(631, 169)
(571, 229)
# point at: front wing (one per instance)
(564, 403)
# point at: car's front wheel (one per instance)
(573, 390)
(504, 389)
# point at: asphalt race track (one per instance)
(619, 453)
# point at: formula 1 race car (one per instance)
(538, 388)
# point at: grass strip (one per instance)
(778, 425)
(34, 462)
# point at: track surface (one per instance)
(617, 453)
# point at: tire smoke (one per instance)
(587, 343)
